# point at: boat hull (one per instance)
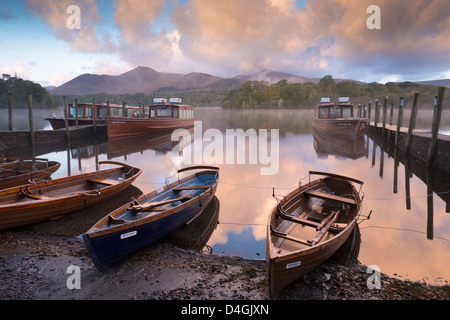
(58, 123)
(289, 257)
(135, 126)
(24, 170)
(111, 245)
(110, 250)
(284, 270)
(24, 211)
(342, 127)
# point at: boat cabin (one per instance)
(84, 111)
(330, 110)
(172, 110)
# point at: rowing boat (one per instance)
(23, 171)
(43, 200)
(308, 226)
(149, 218)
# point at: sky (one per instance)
(311, 38)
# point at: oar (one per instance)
(151, 205)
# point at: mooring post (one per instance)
(412, 122)
(76, 112)
(383, 134)
(435, 128)
(377, 112)
(399, 120)
(370, 111)
(124, 109)
(392, 114)
(66, 118)
(94, 115)
(30, 116)
(10, 119)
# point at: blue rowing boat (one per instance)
(141, 222)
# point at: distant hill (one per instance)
(140, 79)
(147, 80)
(440, 83)
(272, 77)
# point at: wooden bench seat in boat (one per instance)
(327, 196)
(36, 196)
(325, 226)
(105, 181)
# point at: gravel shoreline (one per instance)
(34, 266)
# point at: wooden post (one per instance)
(412, 122)
(435, 128)
(76, 112)
(10, 119)
(370, 111)
(384, 118)
(430, 215)
(94, 115)
(30, 117)
(377, 113)
(124, 109)
(399, 120)
(392, 114)
(66, 118)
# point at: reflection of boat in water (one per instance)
(308, 226)
(338, 119)
(328, 144)
(160, 142)
(196, 234)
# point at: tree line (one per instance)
(250, 95)
(260, 94)
(20, 89)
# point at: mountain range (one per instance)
(147, 80)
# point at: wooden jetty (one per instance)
(427, 146)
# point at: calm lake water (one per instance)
(408, 236)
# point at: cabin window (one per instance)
(323, 113)
(175, 112)
(72, 112)
(89, 112)
(80, 111)
(102, 113)
(346, 112)
(164, 112)
(152, 112)
(335, 111)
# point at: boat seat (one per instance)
(332, 197)
(191, 188)
(105, 181)
(36, 196)
(112, 220)
(28, 194)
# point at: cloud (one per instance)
(243, 36)
(322, 36)
(86, 39)
(16, 68)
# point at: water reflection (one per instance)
(409, 230)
